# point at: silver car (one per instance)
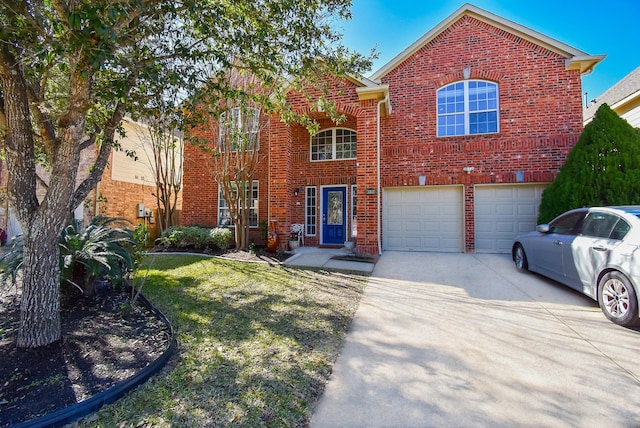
(594, 250)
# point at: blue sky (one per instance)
(595, 27)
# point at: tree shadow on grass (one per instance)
(257, 344)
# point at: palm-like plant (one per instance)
(100, 251)
(11, 260)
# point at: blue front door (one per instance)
(334, 215)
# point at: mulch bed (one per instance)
(104, 341)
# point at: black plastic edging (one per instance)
(76, 411)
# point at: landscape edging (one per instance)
(79, 410)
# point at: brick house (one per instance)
(445, 148)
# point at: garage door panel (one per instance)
(526, 209)
(423, 219)
(502, 212)
(412, 226)
(505, 227)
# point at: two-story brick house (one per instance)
(445, 148)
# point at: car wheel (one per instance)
(617, 299)
(520, 258)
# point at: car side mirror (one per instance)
(543, 228)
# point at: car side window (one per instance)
(599, 225)
(620, 230)
(568, 224)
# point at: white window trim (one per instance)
(467, 112)
(334, 135)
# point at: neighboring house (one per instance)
(128, 186)
(126, 183)
(445, 148)
(623, 98)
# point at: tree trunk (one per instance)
(40, 305)
(41, 220)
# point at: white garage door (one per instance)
(502, 212)
(423, 219)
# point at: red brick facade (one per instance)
(540, 120)
(120, 199)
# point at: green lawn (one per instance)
(256, 344)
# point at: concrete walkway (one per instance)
(465, 340)
(323, 258)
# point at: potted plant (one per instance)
(293, 241)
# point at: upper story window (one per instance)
(224, 214)
(239, 129)
(468, 107)
(335, 143)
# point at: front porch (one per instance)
(334, 259)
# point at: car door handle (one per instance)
(599, 249)
(560, 243)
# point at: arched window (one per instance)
(334, 143)
(468, 107)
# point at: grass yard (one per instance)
(256, 344)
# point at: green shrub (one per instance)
(196, 237)
(222, 237)
(171, 236)
(602, 169)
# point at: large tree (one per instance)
(602, 169)
(235, 149)
(71, 69)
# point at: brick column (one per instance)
(367, 163)
(280, 171)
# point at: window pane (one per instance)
(568, 224)
(224, 215)
(482, 104)
(345, 144)
(310, 210)
(599, 225)
(620, 230)
(321, 146)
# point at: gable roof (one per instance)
(617, 96)
(576, 59)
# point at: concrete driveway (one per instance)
(466, 340)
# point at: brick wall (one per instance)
(120, 199)
(200, 184)
(287, 166)
(539, 113)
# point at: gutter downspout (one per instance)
(384, 100)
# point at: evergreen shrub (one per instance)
(602, 169)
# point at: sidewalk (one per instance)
(325, 258)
